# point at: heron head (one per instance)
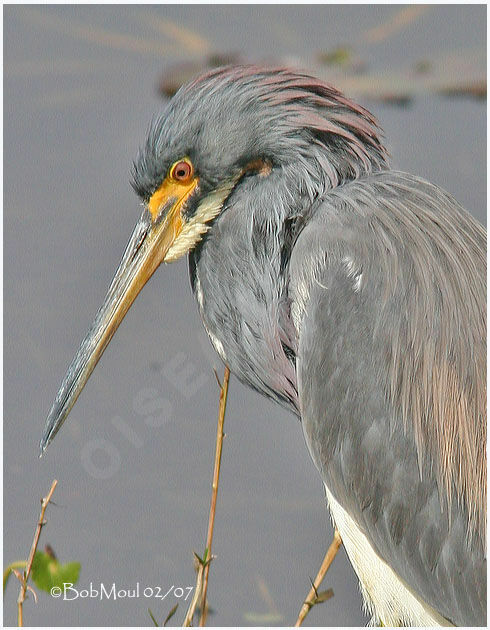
(227, 122)
(227, 125)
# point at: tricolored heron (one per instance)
(350, 293)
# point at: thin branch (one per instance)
(41, 522)
(197, 592)
(200, 589)
(18, 564)
(217, 378)
(313, 596)
(217, 464)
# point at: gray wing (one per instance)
(387, 287)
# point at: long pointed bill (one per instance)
(154, 240)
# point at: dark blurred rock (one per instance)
(477, 89)
(180, 73)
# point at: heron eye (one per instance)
(181, 171)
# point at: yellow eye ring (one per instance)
(182, 171)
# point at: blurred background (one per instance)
(134, 460)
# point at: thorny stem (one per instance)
(41, 522)
(312, 595)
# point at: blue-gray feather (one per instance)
(363, 446)
(258, 113)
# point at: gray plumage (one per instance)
(353, 295)
(395, 327)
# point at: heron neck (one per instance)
(239, 275)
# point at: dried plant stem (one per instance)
(18, 564)
(195, 598)
(313, 594)
(201, 588)
(41, 522)
(217, 465)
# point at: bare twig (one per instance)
(313, 597)
(217, 464)
(18, 564)
(200, 590)
(268, 599)
(399, 20)
(41, 522)
(197, 591)
(217, 378)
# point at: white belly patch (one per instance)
(385, 595)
